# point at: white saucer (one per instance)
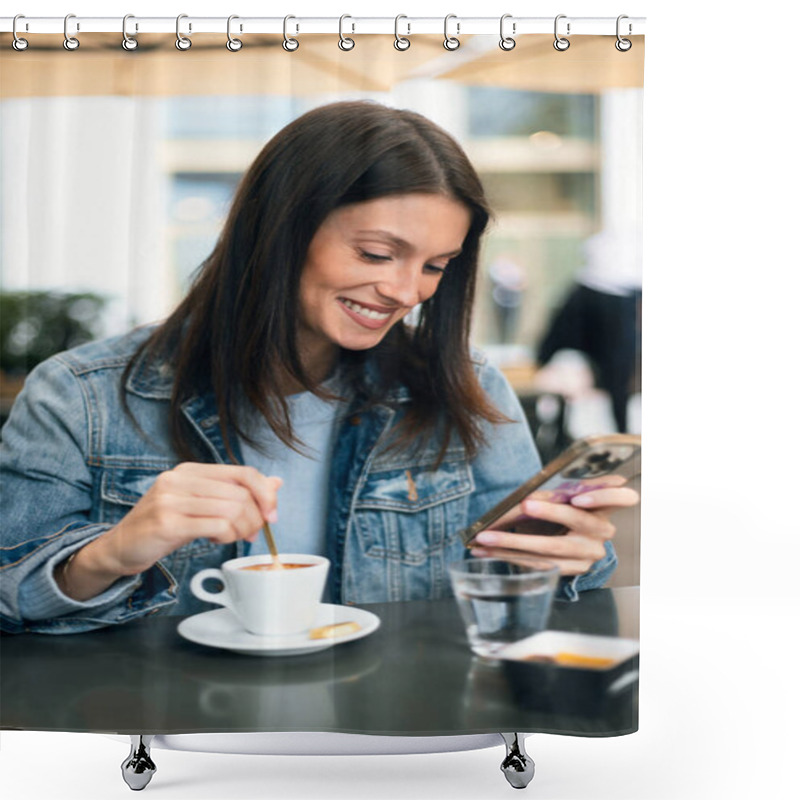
(221, 628)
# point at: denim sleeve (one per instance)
(46, 504)
(508, 460)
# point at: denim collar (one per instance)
(153, 380)
(150, 378)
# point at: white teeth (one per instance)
(365, 312)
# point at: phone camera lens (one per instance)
(576, 473)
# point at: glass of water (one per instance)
(502, 602)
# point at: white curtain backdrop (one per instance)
(71, 202)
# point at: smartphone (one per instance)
(580, 468)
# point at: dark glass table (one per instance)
(414, 676)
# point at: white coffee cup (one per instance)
(268, 602)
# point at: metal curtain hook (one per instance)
(623, 45)
(289, 44)
(506, 42)
(234, 45)
(70, 42)
(345, 43)
(451, 42)
(400, 42)
(18, 44)
(561, 44)
(128, 42)
(182, 42)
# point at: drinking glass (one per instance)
(502, 602)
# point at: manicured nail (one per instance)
(485, 537)
(477, 551)
(583, 500)
(272, 517)
(531, 506)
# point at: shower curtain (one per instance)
(118, 169)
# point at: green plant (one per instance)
(36, 325)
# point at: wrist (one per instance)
(102, 556)
(89, 571)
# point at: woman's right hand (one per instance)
(219, 502)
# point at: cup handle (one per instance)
(220, 598)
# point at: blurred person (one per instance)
(508, 285)
(601, 318)
(131, 463)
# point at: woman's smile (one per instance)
(369, 316)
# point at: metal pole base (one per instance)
(518, 766)
(138, 768)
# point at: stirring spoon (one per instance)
(276, 561)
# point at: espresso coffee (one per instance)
(272, 567)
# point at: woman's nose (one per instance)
(403, 288)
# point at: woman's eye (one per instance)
(434, 268)
(374, 256)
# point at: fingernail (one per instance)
(531, 506)
(477, 551)
(485, 537)
(583, 500)
(272, 517)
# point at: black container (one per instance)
(548, 686)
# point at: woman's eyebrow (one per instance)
(401, 243)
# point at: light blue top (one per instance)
(303, 498)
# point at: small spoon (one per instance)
(276, 561)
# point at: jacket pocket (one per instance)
(408, 514)
(121, 488)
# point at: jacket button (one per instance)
(356, 420)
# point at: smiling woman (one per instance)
(306, 213)
(132, 463)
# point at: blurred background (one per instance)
(118, 170)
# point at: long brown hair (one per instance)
(234, 333)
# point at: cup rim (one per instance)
(265, 558)
(462, 567)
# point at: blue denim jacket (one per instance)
(73, 464)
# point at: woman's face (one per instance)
(369, 264)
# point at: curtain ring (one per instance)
(506, 42)
(234, 45)
(400, 42)
(345, 43)
(182, 42)
(561, 44)
(70, 42)
(18, 44)
(129, 43)
(450, 42)
(289, 44)
(623, 45)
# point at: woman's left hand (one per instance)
(586, 517)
